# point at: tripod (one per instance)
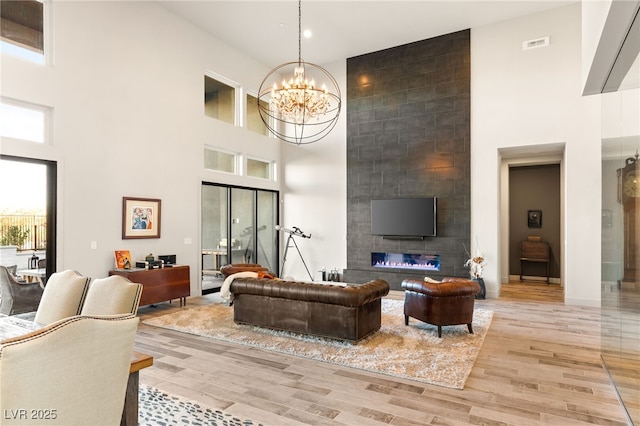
(249, 252)
(284, 257)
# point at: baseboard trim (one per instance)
(531, 278)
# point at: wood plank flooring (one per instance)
(539, 365)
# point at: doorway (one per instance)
(28, 210)
(534, 212)
(237, 226)
(549, 155)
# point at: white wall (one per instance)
(127, 92)
(526, 99)
(315, 196)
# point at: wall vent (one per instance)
(535, 43)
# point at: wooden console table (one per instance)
(160, 285)
(534, 251)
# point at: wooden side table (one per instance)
(130, 410)
(534, 251)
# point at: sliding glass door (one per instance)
(266, 248)
(238, 226)
(242, 224)
(28, 205)
(214, 229)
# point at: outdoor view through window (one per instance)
(23, 205)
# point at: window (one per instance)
(222, 161)
(23, 121)
(259, 168)
(220, 100)
(21, 29)
(254, 122)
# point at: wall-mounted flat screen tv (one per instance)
(404, 217)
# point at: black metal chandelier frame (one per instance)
(308, 129)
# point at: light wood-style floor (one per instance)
(539, 365)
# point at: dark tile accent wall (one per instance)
(408, 112)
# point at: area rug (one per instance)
(156, 407)
(412, 352)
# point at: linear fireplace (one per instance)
(425, 262)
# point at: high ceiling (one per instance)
(268, 30)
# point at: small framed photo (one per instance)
(534, 218)
(140, 218)
(123, 259)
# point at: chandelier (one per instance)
(298, 110)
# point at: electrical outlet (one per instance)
(94, 245)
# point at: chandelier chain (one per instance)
(299, 31)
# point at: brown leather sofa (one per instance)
(342, 311)
(234, 268)
(450, 302)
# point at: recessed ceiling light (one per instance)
(307, 33)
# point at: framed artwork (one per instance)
(123, 259)
(140, 218)
(534, 218)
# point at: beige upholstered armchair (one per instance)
(112, 295)
(63, 297)
(72, 372)
(17, 297)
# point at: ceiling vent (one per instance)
(535, 43)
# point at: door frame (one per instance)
(51, 211)
(529, 156)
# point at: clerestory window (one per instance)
(23, 121)
(220, 160)
(220, 100)
(22, 29)
(259, 168)
(254, 122)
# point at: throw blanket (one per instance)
(225, 292)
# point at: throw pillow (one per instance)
(265, 274)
